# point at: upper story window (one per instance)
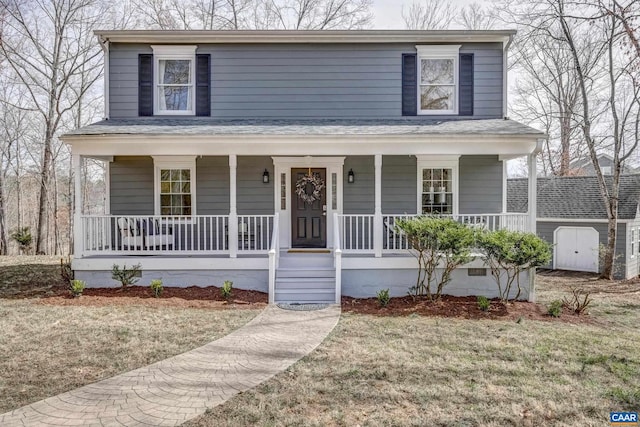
(174, 79)
(438, 79)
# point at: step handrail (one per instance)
(337, 254)
(274, 255)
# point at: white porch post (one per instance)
(377, 213)
(233, 209)
(533, 184)
(76, 162)
(504, 186)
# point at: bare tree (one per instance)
(623, 101)
(429, 15)
(254, 14)
(48, 44)
(474, 16)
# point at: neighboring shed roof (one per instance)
(574, 197)
(209, 126)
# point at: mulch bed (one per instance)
(456, 307)
(190, 297)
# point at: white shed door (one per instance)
(576, 248)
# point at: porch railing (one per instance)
(157, 234)
(356, 231)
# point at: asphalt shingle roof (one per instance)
(574, 197)
(209, 126)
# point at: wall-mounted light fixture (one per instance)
(351, 177)
(265, 177)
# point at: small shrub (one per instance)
(126, 276)
(383, 297)
(483, 303)
(441, 245)
(578, 303)
(509, 253)
(226, 289)
(65, 270)
(156, 287)
(77, 287)
(555, 308)
(22, 236)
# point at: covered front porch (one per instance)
(221, 205)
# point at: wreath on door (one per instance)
(317, 184)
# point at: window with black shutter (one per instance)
(438, 80)
(174, 81)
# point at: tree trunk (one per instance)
(3, 224)
(42, 202)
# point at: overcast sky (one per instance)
(388, 13)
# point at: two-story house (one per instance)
(280, 160)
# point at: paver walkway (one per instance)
(174, 390)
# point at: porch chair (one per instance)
(130, 236)
(154, 234)
(395, 239)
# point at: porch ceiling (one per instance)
(206, 136)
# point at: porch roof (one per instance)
(205, 126)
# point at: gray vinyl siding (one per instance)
(253, 196)
(212, 185)
(131, 185)
(359, 197)
(480, 184)
(123, 78)
(546, 229)
(399, 185)
(312, 81)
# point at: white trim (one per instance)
(377, 207)
(233, 205)
(451, 52)
(174, 263)
(107, 187)
(174, 52)
(76, 164)
(369, 262)
(305, 36)
(532, 190)
(104, 44)
(504, 186)
(583, 220)
(284, 165)
(301, 145)
(505, 75)
(435, 162)
(173, 162)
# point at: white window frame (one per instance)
(633, 241)
(174, 162)
(176, 53)
(439, 162)
(439, 52)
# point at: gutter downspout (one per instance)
(104, 44)
(505, 72)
